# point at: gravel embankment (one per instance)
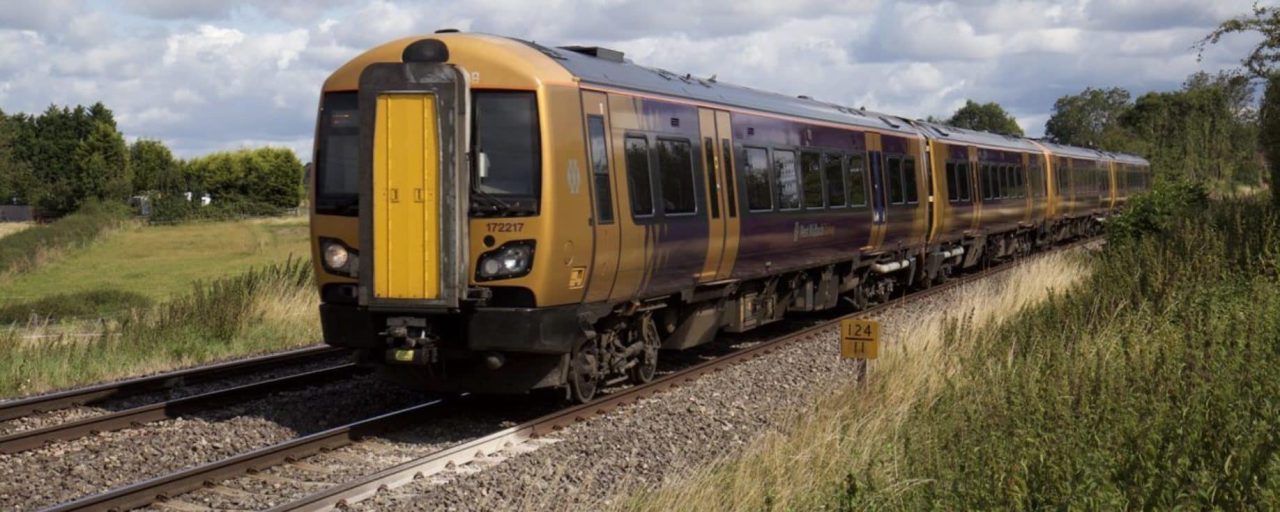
(65, 471)
(60, 416)
(659, 438)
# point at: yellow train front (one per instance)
(493, 215)
(429, 222)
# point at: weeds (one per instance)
(262, 310)
(1151, 385)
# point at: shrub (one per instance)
(27, 249)
(1155, 212)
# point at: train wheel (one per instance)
(584, 373)
(647, 366)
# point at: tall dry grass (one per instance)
(266, 309)
(805, 464)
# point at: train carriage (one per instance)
(491, 214)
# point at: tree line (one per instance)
(1214, 131)
(66, 156)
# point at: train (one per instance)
(492, 215)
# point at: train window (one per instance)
(811, 179)
(709, 149)
(1060, 172)
(857, 180)
(784, 166)
(984, 180)
(1019, 183)
(337, 156)
(675, 168)
(894, 174)
(909, 180)
(834, 172)
(600, 170)
(756, 175)
(953, 195)
(639, 178)
(963, 181)
(727, 162)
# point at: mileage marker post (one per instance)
(859, 341)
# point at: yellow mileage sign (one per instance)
(859, 339)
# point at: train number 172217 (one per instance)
(505, 227)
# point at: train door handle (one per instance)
(418, 196)
(395, 195)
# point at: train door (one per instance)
(729, 255)
(717, 213)
(879, 209)
(607, 239)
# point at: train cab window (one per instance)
(811, 179)
(953, 193)
(337, 179)
(506, 133)
(894, 175)
(675, 169)
(727, 162)
(909, 180)
(709, 149)
(834, 172)
(600, 170)
(784, 166)
(639, 179)
(756, 174)
(857, 180)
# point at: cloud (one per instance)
(222, 74)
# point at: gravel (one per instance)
(663, 437)
(60, 416)
(65, 471)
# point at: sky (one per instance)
(210, 75)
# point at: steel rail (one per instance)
(150, 491)
(406, 472)
(14, 409)
(35, 438)
(161, 488)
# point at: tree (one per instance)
(1260, 64)
(154, 168)
(1087, 119)
(1269, 131)
(987, 117)
(16, 180)
(102, 166)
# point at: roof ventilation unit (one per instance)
(597, 52)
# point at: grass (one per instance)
(9, 228)
(159, 262)
(263, 310)
(1151, 385)
(30, 249)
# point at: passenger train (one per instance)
(494, 215)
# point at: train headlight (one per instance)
(513, 259)
(338, 258)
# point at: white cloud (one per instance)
(222, 74)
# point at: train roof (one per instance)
(601, 66)
(953, 134)
(1073, 151)
(1126, 158)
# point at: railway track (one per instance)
(17, 409)
(331, 495)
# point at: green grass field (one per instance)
(159, 262)
(9, 228)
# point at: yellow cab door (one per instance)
(604, 268)
(406, 180)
